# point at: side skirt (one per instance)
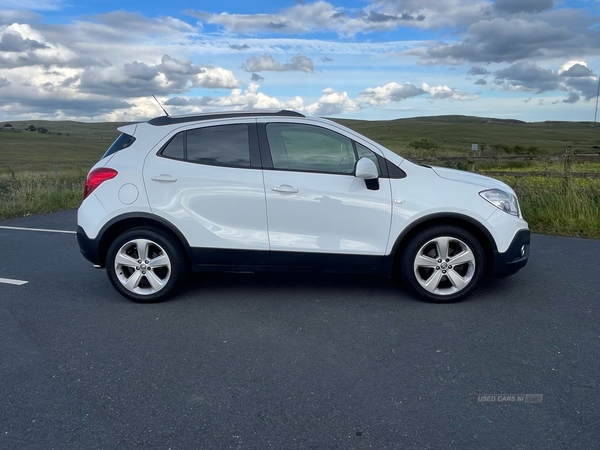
(210, 259)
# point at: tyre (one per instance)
(443, 264)
(145, 265)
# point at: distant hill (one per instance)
(67, 126)
(64, 144)
(457, 133)
(79, 144)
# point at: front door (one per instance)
(319, 213)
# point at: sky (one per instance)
(103, 60)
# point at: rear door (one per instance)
(207, 181)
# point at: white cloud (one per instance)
(136, 23)
(332, 103)
(216, 78)
(21, 46)
(266, 62)
(324, 16)
(438, 13)
(251, 98)
(566, 66)
(9, 16)
(520, 6)
(220, 45)
(445, 92)
(140, 109)
(238, 99)
(529, 77)
(573, 77)
(391, 92)
(502, 40)
(35, 92)
(301, 18)
(137, 79)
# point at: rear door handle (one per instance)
(165, 178)
(285, 188)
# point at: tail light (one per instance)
(96, 177)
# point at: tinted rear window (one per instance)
(225, 145)
(175, 148)
(123, 141)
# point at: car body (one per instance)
(276, 190)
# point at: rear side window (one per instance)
(225, 145)
(175, 147)
(122, 142)
(222, 145)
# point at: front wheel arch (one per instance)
(484, 237)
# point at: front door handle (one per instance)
(164, 177)
(285, 188)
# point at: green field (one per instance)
(42, 172)
(455, 134)
(76, 144)
(67, 145)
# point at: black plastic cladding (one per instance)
(168, 120)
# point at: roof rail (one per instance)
(172, 120)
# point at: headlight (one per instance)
(502, 200)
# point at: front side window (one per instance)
(364, 152)
(309, 148)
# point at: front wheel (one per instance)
(145, 265)
(443, 264)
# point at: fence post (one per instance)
(568, 168)
(471, 164)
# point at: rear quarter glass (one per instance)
(122, 142)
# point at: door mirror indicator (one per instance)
(366, 169)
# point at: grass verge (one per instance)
(552, 206)
(549, 204)
(39, 193)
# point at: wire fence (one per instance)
(569, 159)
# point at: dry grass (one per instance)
(34, 193)
(553, 206)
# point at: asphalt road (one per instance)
(294, 361)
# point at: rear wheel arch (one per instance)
(122, 224)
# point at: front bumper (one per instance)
(515, 258)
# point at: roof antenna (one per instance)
(161, 106)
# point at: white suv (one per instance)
(276, 190)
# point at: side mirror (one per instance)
(366, 169)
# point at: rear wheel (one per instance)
(443, 264)
(145, 265)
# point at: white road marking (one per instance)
(38, 229)
(15, 282)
